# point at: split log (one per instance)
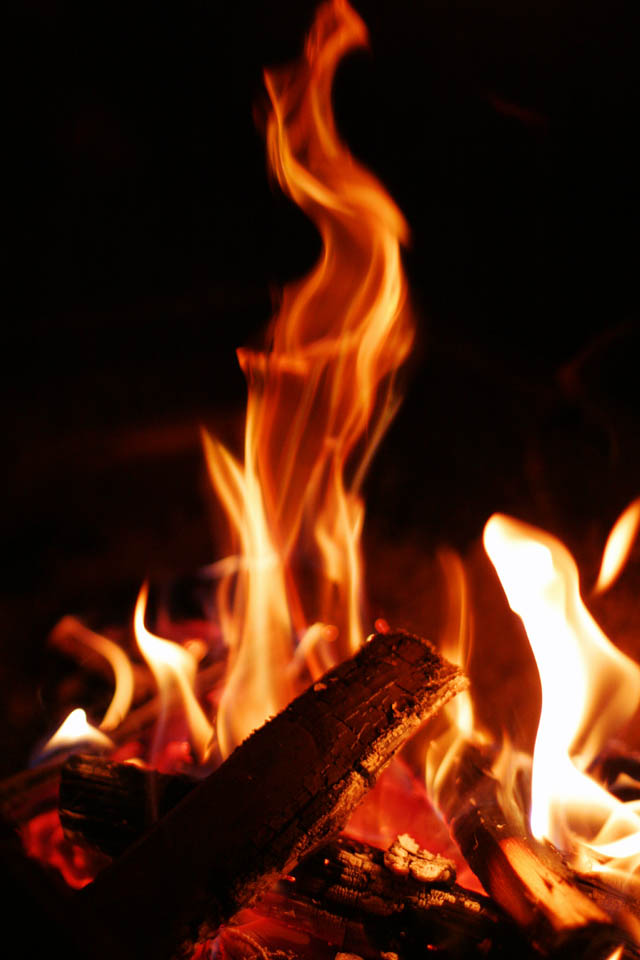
(561, 911)
(288, 788)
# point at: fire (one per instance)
(319, 399)
(320, 396)
(590, 690)
(173, 665)
(618, 546)
(73, 632)
(74, 731)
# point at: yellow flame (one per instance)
(73, 631)
(76, 730)
(173, 665)
(618, 546)
(589, 690)
(319, 398)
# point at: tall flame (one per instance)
(319, 397)
(589, 691)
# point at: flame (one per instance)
(319, 398)
(71, 630)
(618, 546)
(173, 665)
(74, 731)
(589, 691)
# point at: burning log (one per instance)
(287, 789)
(29, 791)
(400, 901)
(351, 895)
(562, 913)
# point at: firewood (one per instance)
(560, 911)
(347, 893)
(350, 894)
(287, 789)
(28, 792)
(108, 805)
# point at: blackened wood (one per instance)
(28, 792)
(345, 894)
(352, 895)
(109, 805)
(288, 788)
(531, 881)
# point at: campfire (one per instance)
(283, 779)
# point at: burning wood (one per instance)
(562, 912)
(347, 893)
(320, 397)
(285, 790)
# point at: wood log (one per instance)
(359, 899)
(108, 805)
(28, 792)
(561, 912)
(288, 788)
(351, 895)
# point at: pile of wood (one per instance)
(264, 831)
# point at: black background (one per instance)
(146, 240)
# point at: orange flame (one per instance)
(618, 546)
(589, 691)
(455, 644)
(319, 398)
(171, 665)
(71, 629)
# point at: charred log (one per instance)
(561, 911)
(351, 895)
(109, 805)
(287, 789)
(358, 898)
(30, 791)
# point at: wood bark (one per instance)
(563, 913)
(288, 788)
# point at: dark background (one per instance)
(145, 240)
